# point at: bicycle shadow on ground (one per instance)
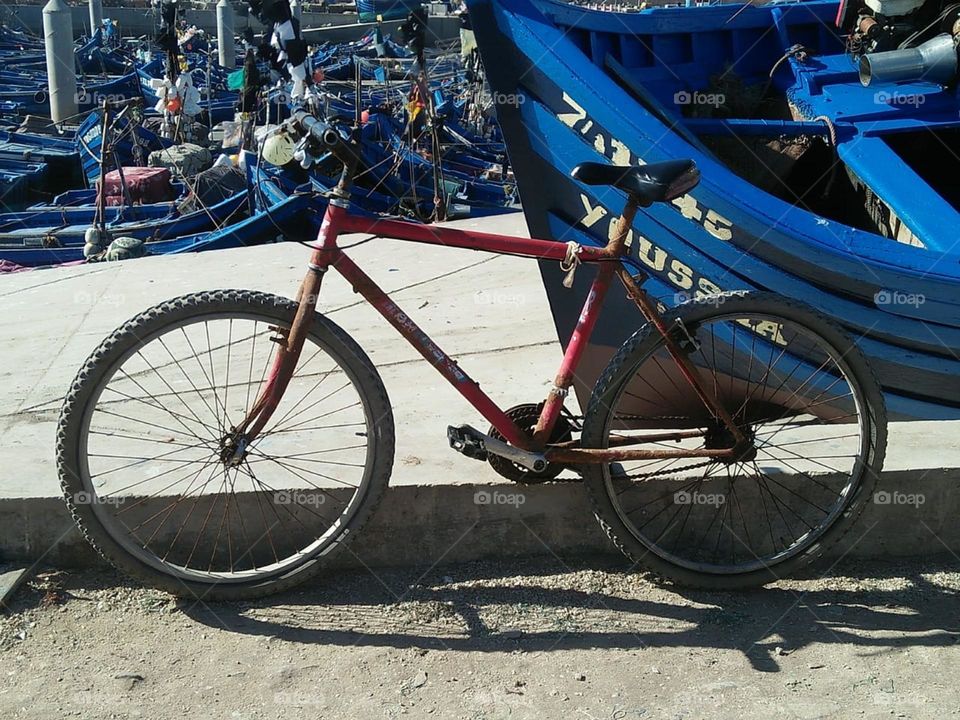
(546, 605)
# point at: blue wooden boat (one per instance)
(35, 100)
(24, 153)
(282, 220)
(43, 218)
(78, 199)
(576, 85)
(54, 244)
(131, 148)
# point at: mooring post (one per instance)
(61, 71)
(96, 15)
(225, 43)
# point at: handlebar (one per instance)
(346, 151)
(320, 130)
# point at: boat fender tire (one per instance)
(125, 248)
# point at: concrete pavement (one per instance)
(490, 312)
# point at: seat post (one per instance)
(616, 245)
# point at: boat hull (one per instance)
(558, 108)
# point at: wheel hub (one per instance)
(719, 437)
(233, 449)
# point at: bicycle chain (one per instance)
(691, 466)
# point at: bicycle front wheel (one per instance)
(800, 390)
(146, 462)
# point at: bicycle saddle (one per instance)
(658, 182)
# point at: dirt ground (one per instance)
(540, 638)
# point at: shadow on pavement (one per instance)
(549, 605)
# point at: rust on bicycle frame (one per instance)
(291, 340)
(586, 322)
(638, 439)
(686, 367)
(616, 249)
(580, 456)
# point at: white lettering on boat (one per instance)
(619, 154)
(682, 276)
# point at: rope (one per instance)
(571, 262)
(830, 127)
(833, 144)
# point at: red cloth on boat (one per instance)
(145, 185)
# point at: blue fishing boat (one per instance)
(828, 174)
(281, 220)
(35, 100)
(60, 243)
(86, 198)
(131, 143)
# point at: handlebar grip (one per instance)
(318, 129)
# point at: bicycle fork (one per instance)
(291, 341)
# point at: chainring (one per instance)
(526, 416)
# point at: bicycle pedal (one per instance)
(467, 441)
(475, 444)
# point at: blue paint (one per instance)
(555, 56)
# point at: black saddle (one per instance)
(659, 182)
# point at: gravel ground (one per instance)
(522, 639)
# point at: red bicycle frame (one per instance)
(327, 254)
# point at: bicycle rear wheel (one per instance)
(145, 463)
(796, 385)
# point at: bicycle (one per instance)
(728, 442)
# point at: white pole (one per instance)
(225, 44)
(61, 71)
(96, 15)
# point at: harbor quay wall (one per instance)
(134, 22)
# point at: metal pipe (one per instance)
(225, 44)
(934, 61)
(96, 15)
(61, 68)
